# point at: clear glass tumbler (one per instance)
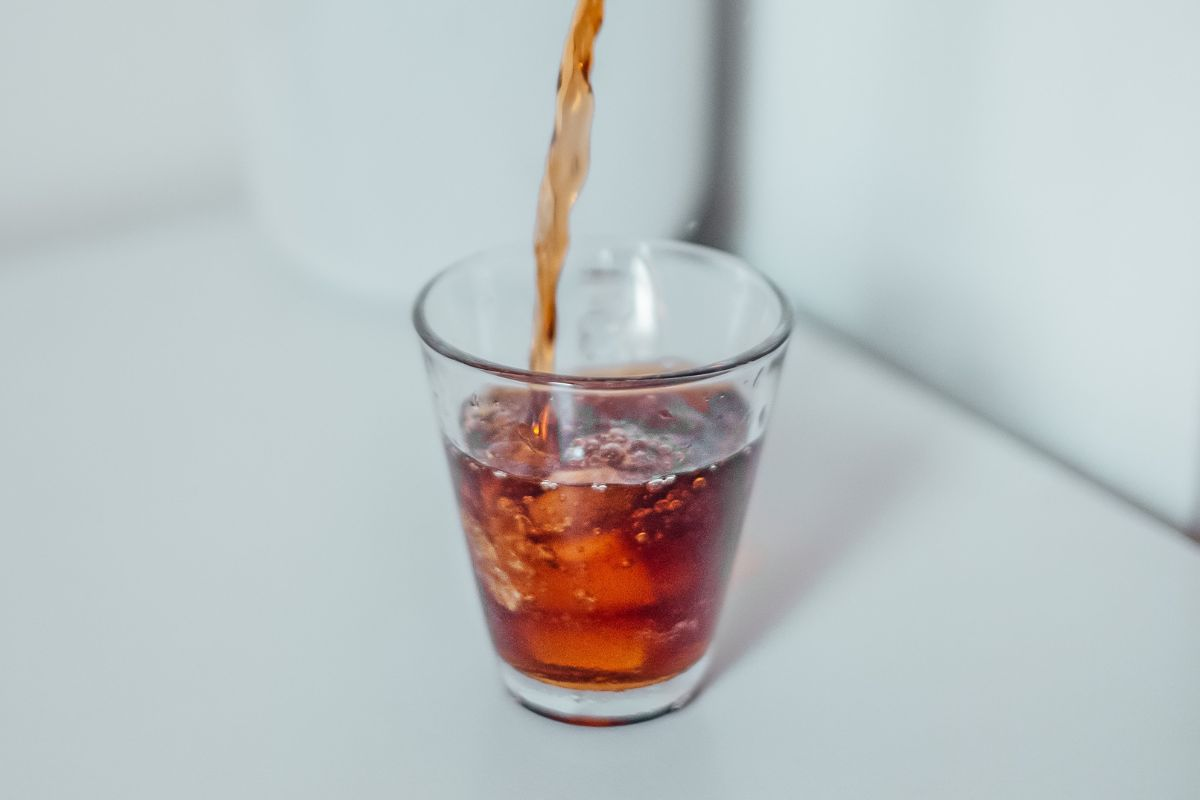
(602, 503)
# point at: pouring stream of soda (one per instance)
(566, 171)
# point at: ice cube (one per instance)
(576, 505)
(597, 572)
(598, 650)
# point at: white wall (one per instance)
(1003, 196)
(113, 109)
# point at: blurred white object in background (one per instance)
(390, 138)
(1001, 197)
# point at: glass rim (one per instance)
(773, 341)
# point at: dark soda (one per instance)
(601, 548)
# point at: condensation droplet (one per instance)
(600, 487)
(548, 486)
(499, 473)
(699, 483)
(641, 537)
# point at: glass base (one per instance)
(583, 707)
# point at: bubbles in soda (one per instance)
(601, 551)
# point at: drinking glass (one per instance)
(602, 503)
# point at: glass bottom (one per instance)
(584, 707)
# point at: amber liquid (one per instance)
(566, 170)
(603, 567)
(602, 532)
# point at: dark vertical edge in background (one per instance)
(719, 213)
(1192, 526)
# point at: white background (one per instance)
(1001, 197)
(225, 568)
(111, 112)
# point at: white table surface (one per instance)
(230, 568)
